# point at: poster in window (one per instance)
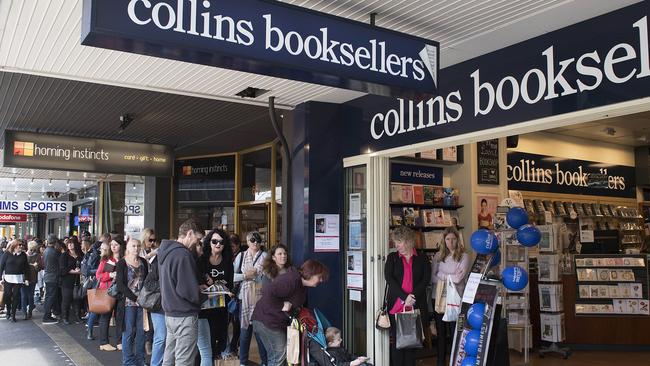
(487, 209)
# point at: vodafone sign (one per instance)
(7, 217)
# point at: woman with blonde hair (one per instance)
(451, 261)
(148, 243)
(407, 273)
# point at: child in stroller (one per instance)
(334, 354)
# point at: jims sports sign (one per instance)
(269, 38)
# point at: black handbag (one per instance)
(114, 292)
(149, 296)
(78, 292)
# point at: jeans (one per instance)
(180, 345)
(245, 336)
(133, 337)
(275, 341)
(233, 344)
(205, 349)
(92, 319)
(159, 334)
(27, 296)
(51, 290)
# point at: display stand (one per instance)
(551, 301)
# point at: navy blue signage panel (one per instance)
(268, 38)
(415, 174)
(541, 173)
(600, 61)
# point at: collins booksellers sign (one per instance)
(268, 38)
(40, 151)
(540, 173)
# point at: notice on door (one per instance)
(326, 233)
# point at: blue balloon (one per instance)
(514, 278)
(516, 217)
(468, 361)
(496, 258)
(528, 235)
(472, 341)
(475, 315)
(484, 241)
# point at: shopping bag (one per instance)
(2, 295)
(441, 296)
(293, 343)
(145, 320)
(99, 302)
(229, 361)
(409, 332)
(452, 309)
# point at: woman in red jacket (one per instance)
(110, 255)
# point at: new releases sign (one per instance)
(36, 206)
(269, 38)
(40, 151)
(540, 173)
(415, 174)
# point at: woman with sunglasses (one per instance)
(215, 267)
(149, 247)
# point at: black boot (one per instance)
(89, 335)
(29, 312)
(13, 315)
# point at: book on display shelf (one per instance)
(429, 154)
(418, 194)
(450, 153)
(579, 209)
(559, 208)
(548, 206)
(539, 207)
(428, 195)
(529, 206)
(589, 211)
(395, 193)
(438, 195)
(407, 193)
(597, 210)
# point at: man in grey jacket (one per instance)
(51, 278)
(180, 294)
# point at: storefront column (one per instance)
(317, 188)
(157, 205)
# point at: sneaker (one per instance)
(107, 347)
(50, 320)
(119, 347)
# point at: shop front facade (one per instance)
(574, 75)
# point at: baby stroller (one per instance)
(313, 348)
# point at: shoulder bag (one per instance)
(149, 296)
(99, 302)
(382, 320)
(452, 308)
(113, 291)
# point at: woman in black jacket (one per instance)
(215, 266)
(408, 273)
(131, 272)
(15, 267)
(70, 269)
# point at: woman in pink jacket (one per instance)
(451, 261)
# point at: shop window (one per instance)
(256, 176)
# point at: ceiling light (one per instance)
(42, 195)
(85, 184)
(125, 121)
(29, 195)
(50, 182)
(15, 194)
(13, 181)
(31, 182)
(67, 183)
(133, 186)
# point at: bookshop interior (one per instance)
(586, 187)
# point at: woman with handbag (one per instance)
(452, 263)
(70, 269)
(407, 273)
(215, 266)
(109, 254)
(14, 269)
(131, 272)
(250, 264)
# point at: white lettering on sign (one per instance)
(375, 56)
(36, 206)
(526, 172)
(547, 82)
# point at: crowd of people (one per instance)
(206, 285)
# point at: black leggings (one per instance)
(218, 320)
(442, 330)
(69, 306)
(104, 322)
(12, 297)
